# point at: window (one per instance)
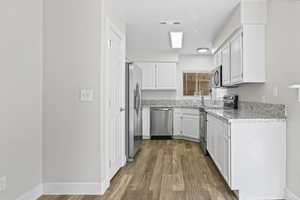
(196, 84)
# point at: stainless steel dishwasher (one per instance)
(161, 122)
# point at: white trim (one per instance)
(33, 194)
(178, 137)
(73, 188)
(290, 195)
(104, 186)
(146, 137)
(104, 136)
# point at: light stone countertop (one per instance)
(248, 112)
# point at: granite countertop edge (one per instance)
(229, 117)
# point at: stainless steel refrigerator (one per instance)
(134, 138)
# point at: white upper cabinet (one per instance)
(236, 56)
(166, 76)
(243, 56)
(149, 75)
(244, 34)
(159, 76)
(226, 65)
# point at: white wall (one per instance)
(20, 84)
(144, 55)
(72, 49)
(283, 69)
(232, 24)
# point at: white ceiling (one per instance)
(201, 20)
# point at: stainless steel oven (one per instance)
(216, 79)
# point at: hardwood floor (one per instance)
(165, 170)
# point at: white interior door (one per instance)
(116, 134)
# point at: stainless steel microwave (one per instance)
(217, 77)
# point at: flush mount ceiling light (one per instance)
(176, 40)
(203, 50)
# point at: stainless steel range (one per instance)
(203, 130)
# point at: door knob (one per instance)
(122, 109)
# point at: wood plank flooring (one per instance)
(165, 170)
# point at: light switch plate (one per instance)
(275, 91)
(264, 99)
(3, 183)
(86, 95)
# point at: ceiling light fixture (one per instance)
(203, 50)
(176, 39)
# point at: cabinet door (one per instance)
(166, 76)
(146, 123)
(220, 145)
(209, 134)
(190, 126)
(227, 160)
(237, 59)
(226, 65)
(177, 124)
(215, 60)
(149, 75)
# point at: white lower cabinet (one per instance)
(186, 123)
(146, 123)
(250, 155)
(177, 123)
(190, 126)
(219, 145)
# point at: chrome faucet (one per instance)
(202, 100)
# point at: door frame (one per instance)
(106, 26)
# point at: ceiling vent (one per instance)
(177, 23)
(163, 22)
(170, 22)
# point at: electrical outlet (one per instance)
(3, 183)
(275, 91)
(286, 110)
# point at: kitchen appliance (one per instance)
(216, 79)
(203, 131)
(231, 101)
(133, 97)
(161, 123)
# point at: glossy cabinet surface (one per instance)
(236, 59)
(159, 76)
(218, 145)
(226, 65)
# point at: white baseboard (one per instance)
(33, 194)
(73, 188)
(290, 195)
(104, 186)
(176, 137)
(146, 137)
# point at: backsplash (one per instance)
(276, 110)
